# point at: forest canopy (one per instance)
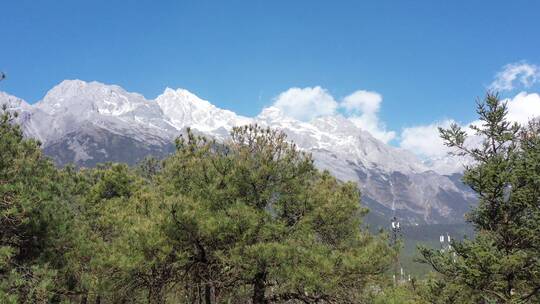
(249, 220)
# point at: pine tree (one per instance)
(502, 263)
(258, 223)
(26, 196)
(248, 220)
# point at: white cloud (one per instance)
(424, 140)
(362, 108)
(362, 101)
(524, 107)
(522, 72)
(306, 104)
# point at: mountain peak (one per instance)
(182, 96)
(65, 88)
(184, 109)
(13, 102)
(91, 121)
(73, 83)
(83, 98)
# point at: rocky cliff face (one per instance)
(87, 123)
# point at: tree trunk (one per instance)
(207, 293)
(155, 295)
(259, 288)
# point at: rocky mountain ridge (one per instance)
(90, 122)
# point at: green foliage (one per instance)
(249, 220)
(35, 220)
(23, 189)
(502, 263)
(263, 223)
(252, 220)
(401, 294)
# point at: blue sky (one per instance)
(428, 59)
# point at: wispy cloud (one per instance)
(520, 73)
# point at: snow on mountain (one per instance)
(90, 122)
(342, 137)
(24, 111)
(13, 103)
(184, 109)
(395, 178)
(84, 98)
(73, 103)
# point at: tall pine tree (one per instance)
(502, 263)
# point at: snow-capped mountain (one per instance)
(12, 102)
(394, 178)
(184, 109)
(90, 122)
